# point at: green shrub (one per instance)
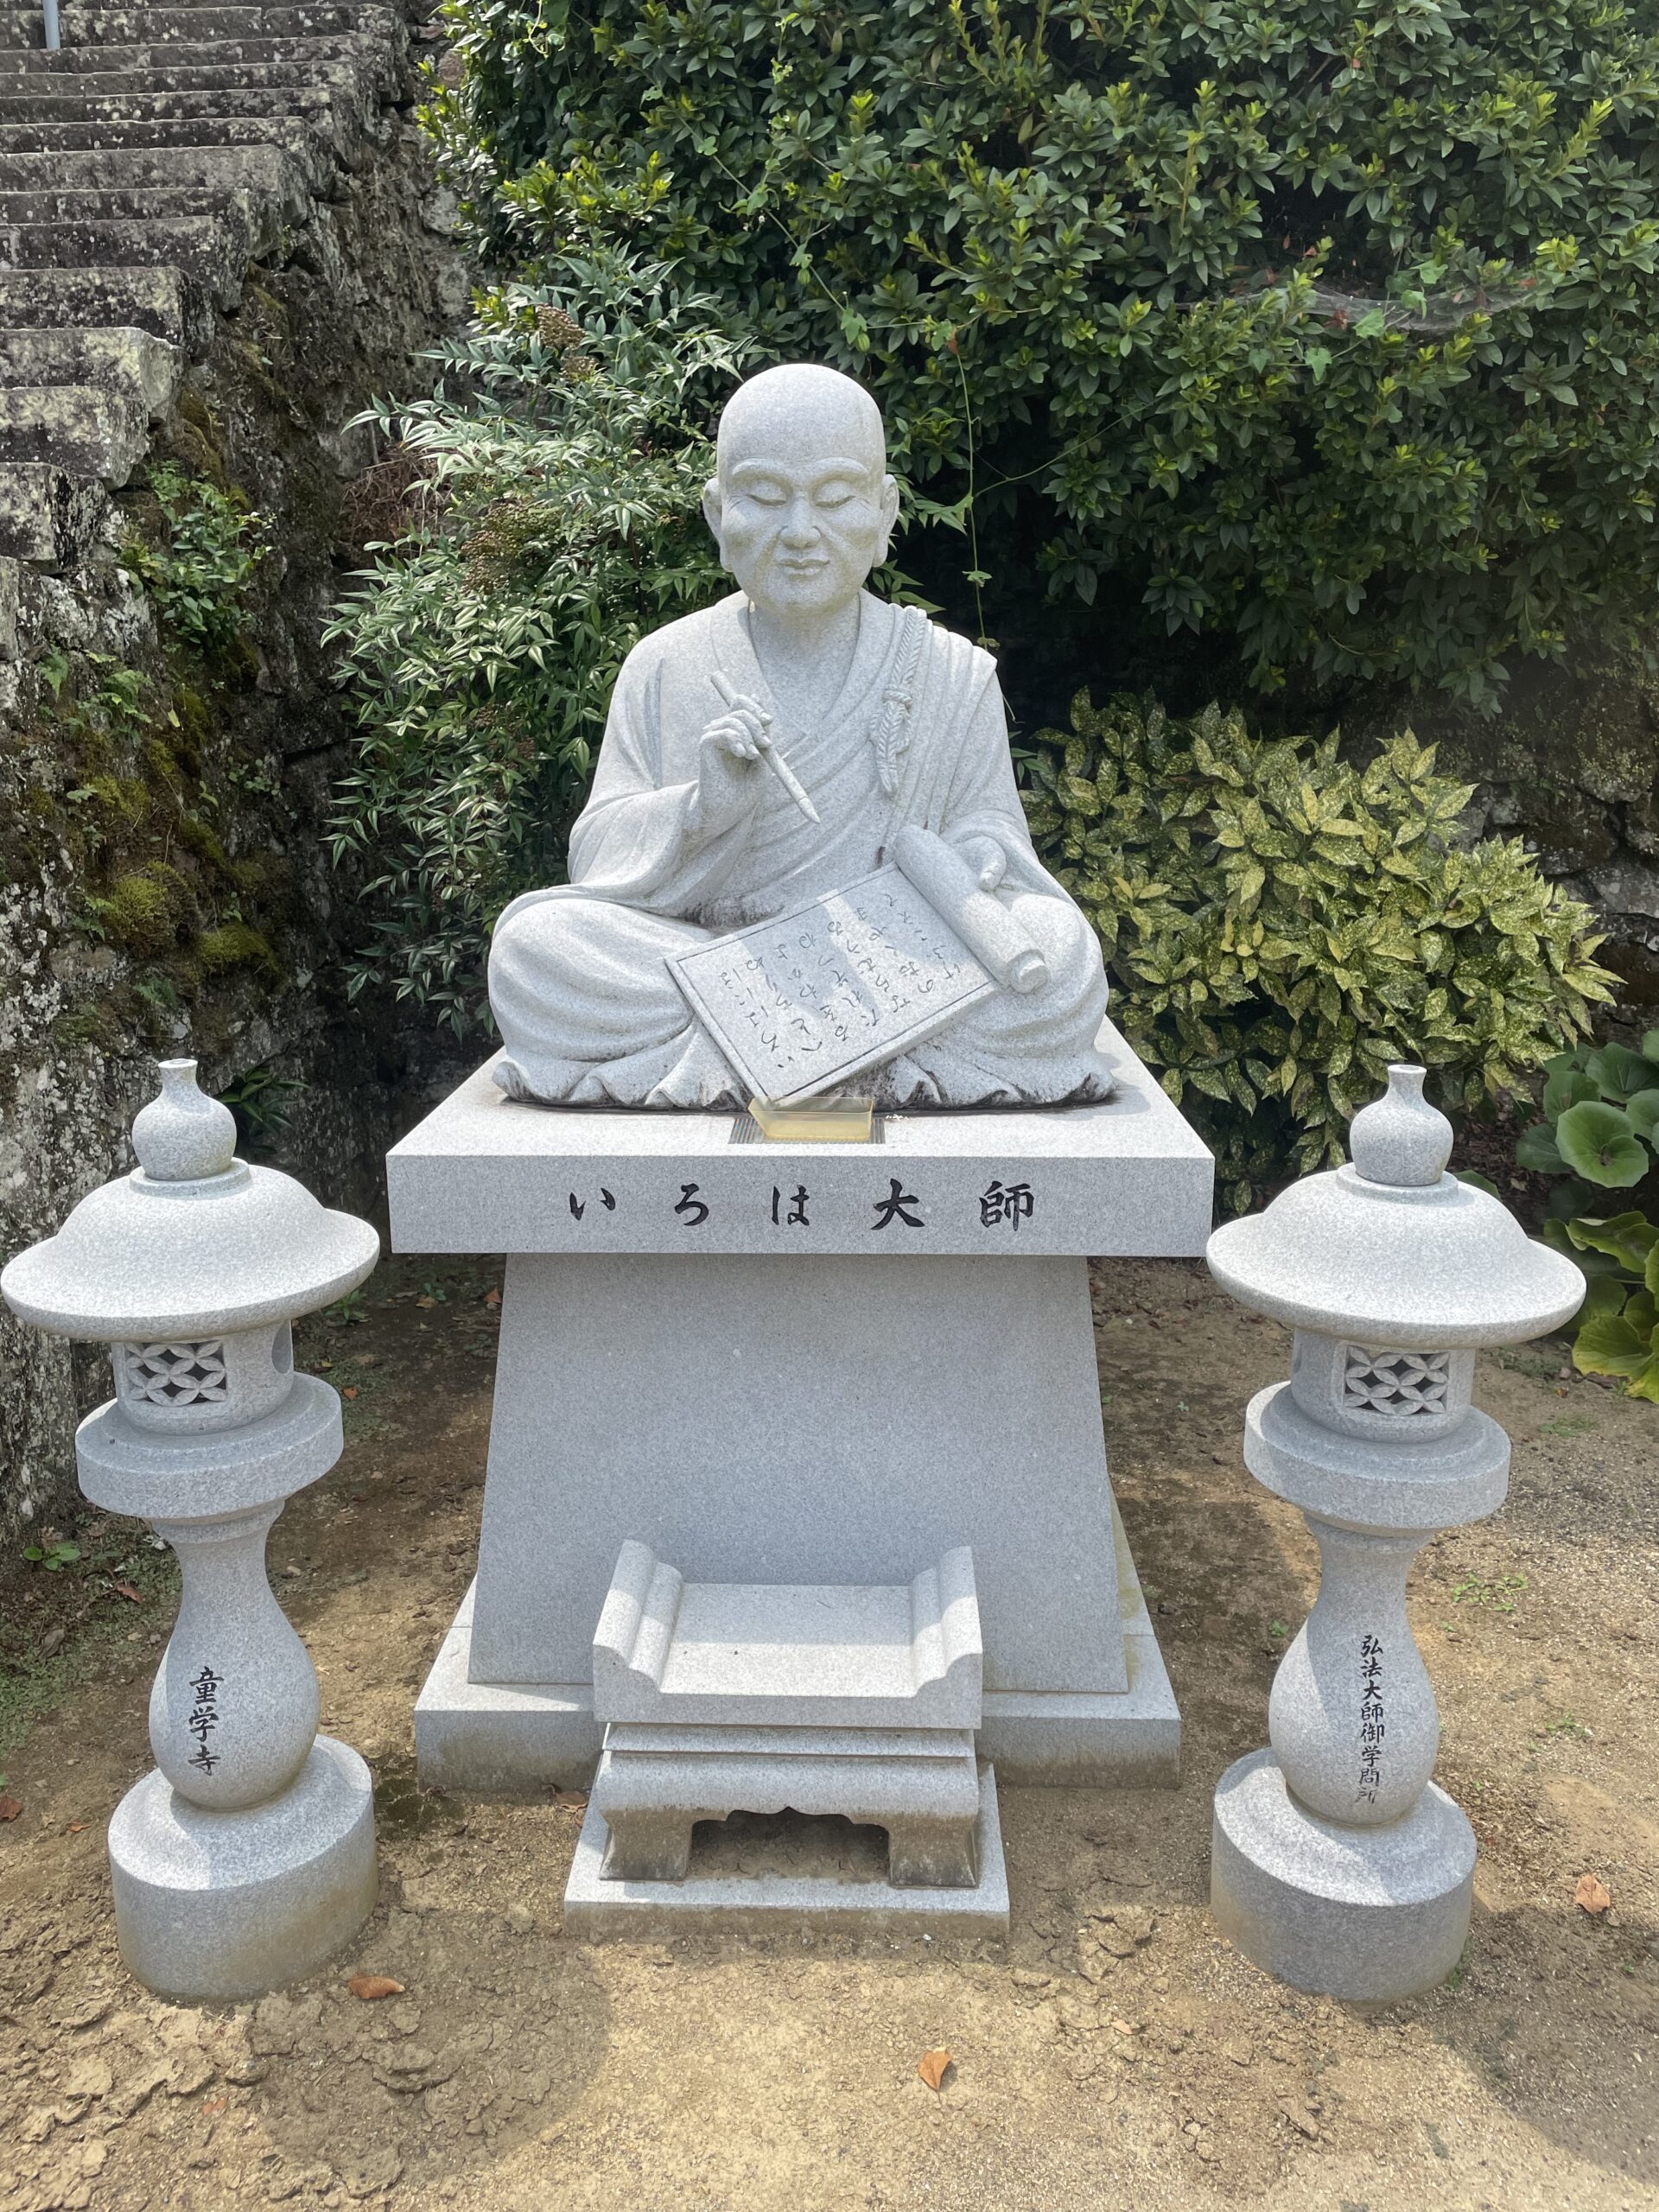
(554, 521)
(199, 574)
(1279, 924)
(1601, 1113)
(1331, 330)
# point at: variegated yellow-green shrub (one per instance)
(1280, 923)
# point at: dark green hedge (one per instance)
(1327, 331)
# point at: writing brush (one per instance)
(769, 753)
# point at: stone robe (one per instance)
(579, 981)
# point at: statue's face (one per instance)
(803, 506)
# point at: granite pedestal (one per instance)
(804, 1363)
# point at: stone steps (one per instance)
(318, 145)
(144, 166)
(48, 516)
(149, 74)
(167, 303)
(81, 27)
(135, 362)
(329, 109)
(264, 213)
(267, 172)
(212, 247)
(87, 429)
(79, 61)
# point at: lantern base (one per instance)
(230, 1905)
(1354, 1912)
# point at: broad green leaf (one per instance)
(1568, 1089)
(1538, 1149)
(1598, 1143)
(1609, 1345)
(1625, 1237)
(1619, 1071)
(1603, 1296)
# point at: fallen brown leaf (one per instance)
(125, 1590)
(491, 1298)
(371, 1986)
(575, 1800)
(75, 1828)
(10, 1806)
(934, 2065)
(1593, 1894)
(349, 1391)
(214, 2104)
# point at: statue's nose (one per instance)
(802, 526)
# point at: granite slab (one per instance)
(487, 1173)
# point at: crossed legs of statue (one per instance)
(589, 1012)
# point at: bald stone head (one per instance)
(801, 506)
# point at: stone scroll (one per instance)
(804, 1003)
(807, 1003)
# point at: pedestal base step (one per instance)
(1352, 1913)
(599, 1909)
(921, 1785)
(222, 1905)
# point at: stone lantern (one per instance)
(250, 1855)
(1337, 1864)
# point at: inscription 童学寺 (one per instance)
(203, 1718)
(803, 1004)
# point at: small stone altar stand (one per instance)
(802, 1363)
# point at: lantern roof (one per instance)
(193, 1241)
(1391, 1250)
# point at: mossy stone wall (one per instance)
(165, 886)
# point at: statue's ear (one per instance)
(712, 506)
(889, 515)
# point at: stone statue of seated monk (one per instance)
(880, 719)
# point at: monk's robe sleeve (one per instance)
(982, 799)
(631, 842)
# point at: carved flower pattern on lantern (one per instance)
(1399, 1385)
(175, 1375)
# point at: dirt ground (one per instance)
(1117, 2052)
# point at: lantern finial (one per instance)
(182, 1135)
(1401, 1139)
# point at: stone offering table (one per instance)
(806, 1364)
